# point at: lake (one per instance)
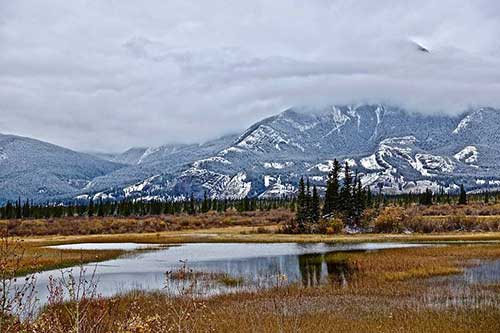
(257, 265)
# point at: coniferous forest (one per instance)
(342, 203)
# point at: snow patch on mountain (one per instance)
(278, 189)
(425, 163)
(339, 120)
(148, 152)
(475, 117)
(216, 159)
(102, 196)
(462, 125)
(268, 179)
(230, 150)
(277, 165)
(467, 155)
(139, 187)
(370, 163)
(318, 178)
(237, 187)
(263, 134)
(299, 126)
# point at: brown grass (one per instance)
(120, 225)
(437, 219)
(36, 259)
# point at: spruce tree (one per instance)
(301, 214)
(346, 193)
(205, 206)
(462, 200)
(426, 197)
(100, 209)
(192, 203)
(369, 198)
(359, 199)
(314, 206)
(308, 201)
(90, 208)
(332, 190)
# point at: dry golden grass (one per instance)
(122, 225)
(36, 259)
(445, 218)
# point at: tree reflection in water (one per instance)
(339, 269)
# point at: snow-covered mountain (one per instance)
(395, 151)
(38, 170)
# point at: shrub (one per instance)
(330, 226)
(391, 219)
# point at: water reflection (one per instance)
(318, 268)
(259, 265)
(476, 287)
(310, 266)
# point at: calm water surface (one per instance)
(259, 265)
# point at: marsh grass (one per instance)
(372, 301)
(37, 258)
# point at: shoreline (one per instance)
(50, 258)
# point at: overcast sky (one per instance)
(105, 75)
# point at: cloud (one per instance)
(106, 75)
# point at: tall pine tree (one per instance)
(462, 200)
(346, 193)
(332, 202)
(314, 206)
(301, 213)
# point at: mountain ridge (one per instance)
(393, 150)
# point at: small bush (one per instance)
(330, 226)
(391, 219)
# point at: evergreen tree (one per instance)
(26, 210)
(426, 197)
(301, 214)
(192, 204)
(90, 208)
(332, 190)
(314, 206)
(369, 197)
(462, 200)
(205, 206)
(346, 193)
(18, 209)
(359, 200)
(100, 208)
(308, 201)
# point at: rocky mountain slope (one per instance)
(38, 170)
(393, 150)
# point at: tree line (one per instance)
(125, 208)
(344, 199)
